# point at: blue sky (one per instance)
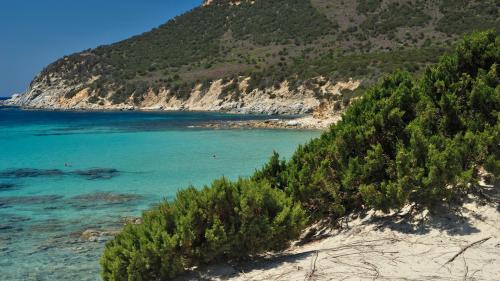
(34, 33)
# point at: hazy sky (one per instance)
(34, 33)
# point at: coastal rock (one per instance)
(51, 93)
(90, 235)
(93, 235)
(134, 221)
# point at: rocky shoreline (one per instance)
(312, 121)
(321, 108)
(302, 123)
(323, 104)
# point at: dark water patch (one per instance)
(30, 173)
(50, 134)
(102, 199)
(29, 200)
(12, 219)
(48, 226)
(69, 129)
(44, 248)
(7, 186)
(97, 173)
(90, 174)
(8, 107)
(6, 228)
(53, 208)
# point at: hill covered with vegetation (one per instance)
(421, 141)
(270, 41)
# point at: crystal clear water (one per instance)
(62, 173)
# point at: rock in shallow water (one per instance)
(135, 221)
(108, 197)
(30, 173)
(97, 173)
(101, 199)
(7, 186)
(91, 174)
(29, 200)
(6, 227)
(93, 235)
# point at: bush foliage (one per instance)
(228, 220)
(406, 141)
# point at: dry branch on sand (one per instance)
(467, 247)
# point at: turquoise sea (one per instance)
(62, 173)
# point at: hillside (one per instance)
(267, 56)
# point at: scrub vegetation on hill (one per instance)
(272, 41)
(407, 141)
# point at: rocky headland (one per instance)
(319, 108)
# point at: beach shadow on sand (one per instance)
(450, 219)
(453, 222)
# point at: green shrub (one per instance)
(228, 220)
(368, 6)
(394, 16)
(408, 141)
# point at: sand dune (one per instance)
(463, 245)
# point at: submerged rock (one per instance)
(48, 226)
(93, 235)
(107, 197)
(29, 200)
(30, 173)
(90, 174)
(7, 186)
(90, 235)
(101, 199)
(6, 227)
(14, 218)
(97, 173)
(134, 221)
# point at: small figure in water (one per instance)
(214, 156)
(67, 165)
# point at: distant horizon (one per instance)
(40, 33)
